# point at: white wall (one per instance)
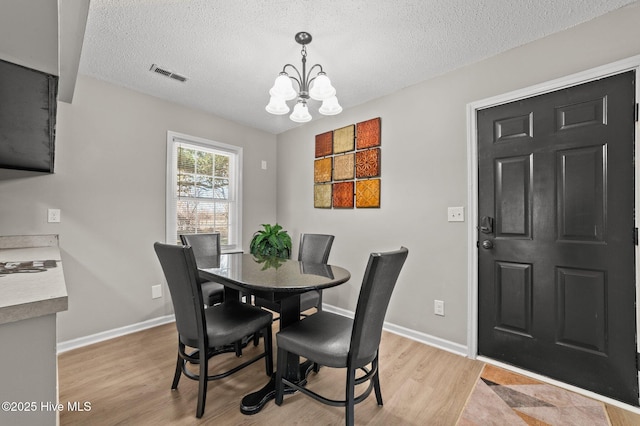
(424, 170)
(29, 33)
(109, 183)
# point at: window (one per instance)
(203, 189)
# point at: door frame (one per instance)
(629, 64)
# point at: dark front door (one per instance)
(556, 282)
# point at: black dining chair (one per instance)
(209, 331)
(340, 342)
(206, 248)
(314, 248)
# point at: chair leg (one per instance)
(202, 386)
(376, 381)
(178, 373)
(238, 347)
(350, 400)
(268, 348)
(282, 366)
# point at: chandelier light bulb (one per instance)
(330, 106)
(300, 113)
(322, 88)
(277, 106)
(283, 88)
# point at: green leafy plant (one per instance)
(271, 241)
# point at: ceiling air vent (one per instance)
(167, 73)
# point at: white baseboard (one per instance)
(110, 334)
(418, 336)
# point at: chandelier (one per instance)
(320, 90)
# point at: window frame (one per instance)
(174, 140)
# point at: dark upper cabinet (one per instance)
(27, 118)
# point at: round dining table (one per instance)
(279, 280)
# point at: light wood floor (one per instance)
(127, 380)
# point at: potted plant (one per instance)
(271, 241)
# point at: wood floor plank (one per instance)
(127, 380)
(620, 417)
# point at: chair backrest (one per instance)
(206, 248)
(180, 271)
(377, 285)
(315, 248)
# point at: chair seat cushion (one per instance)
(323, 337)
(230, 321)
(309, 300)
(210, 288)
(212, 292)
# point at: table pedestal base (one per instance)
(253, 403)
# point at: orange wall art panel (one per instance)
(324, 144)
(368, 133)
(368, 193)
(343, 195)
(322, 170)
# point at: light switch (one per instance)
(156, 291)
(455, 214)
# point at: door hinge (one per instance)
(637, 111)
(638, 361)
(635, 236)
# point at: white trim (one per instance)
(170, 207)
(632, 63)
(111, 334)
(424, 338)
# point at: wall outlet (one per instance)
(264, 165)
(455, 214)
(53, 215)
(156, 291)
(438, 307)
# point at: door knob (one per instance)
(487, 244)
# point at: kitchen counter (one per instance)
(26, 295)
(32, 292)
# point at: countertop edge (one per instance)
(14, 313)
(28, 295)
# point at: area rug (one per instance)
(501, 397)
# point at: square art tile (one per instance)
(344, 167)
(343, 195)
(324, 144)
(322, 196)
(343, 139)
(368, 163)
(368, 133)
(322, 170)
(368, 193)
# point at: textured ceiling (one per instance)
(231, 51)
